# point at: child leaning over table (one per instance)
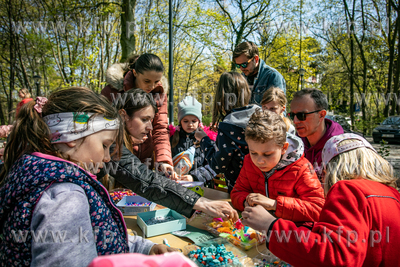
(183, 144)
(44, 191)
(275, 173)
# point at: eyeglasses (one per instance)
(244, 65)
(301, 116)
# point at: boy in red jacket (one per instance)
(359, 224)
(275, 173)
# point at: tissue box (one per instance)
(134, 210)
(161, 228)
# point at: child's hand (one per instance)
(199, 134)
(257, 218)
(169, 171)
(188, 178)
(158, 249)
(254, 199)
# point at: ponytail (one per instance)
(30, 133)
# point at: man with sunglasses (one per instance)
(259, 75)
(307, 111)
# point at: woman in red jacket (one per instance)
(147, 74)
(275, 173)
(359, 224)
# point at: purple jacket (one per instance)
(314, 153)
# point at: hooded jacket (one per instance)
(314, 153)
(226, 155)
(358, 226)
(158, 140)
(200, 171)
(292, 182)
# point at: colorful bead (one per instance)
(138, 204)
(118, 195)
(160, 219)
(212, 258)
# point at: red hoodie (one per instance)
(314, 153)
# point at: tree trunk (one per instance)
(391, 42)
(127, 38)
(396, 101)
(12, 63)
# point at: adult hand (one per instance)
(188, 178)
(216, 209)
(257, 218)
(199, 134)
(258, 199)
(169, 171)
(158, 249)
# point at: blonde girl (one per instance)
(274, 99)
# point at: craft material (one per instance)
(159, 219)
(138, 204)
(132, 205)
(118, 195)
(236, 233)
(214, 256)
(165, 242)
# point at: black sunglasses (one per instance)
(244, 65)
(301, 116)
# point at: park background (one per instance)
(349, 49)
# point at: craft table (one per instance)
(179, 242)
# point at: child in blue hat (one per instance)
(189, 161)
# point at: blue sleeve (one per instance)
(277, 80)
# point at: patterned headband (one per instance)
(70, 126)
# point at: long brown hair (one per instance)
(136, 100)
(230, 83)
(31, 134)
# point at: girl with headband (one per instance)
(48, 190)
(359, 224)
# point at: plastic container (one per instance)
(161, 228)
(134, 210)
(117, 194)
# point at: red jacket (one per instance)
(358, 226)
(158, 141)
(296, 188)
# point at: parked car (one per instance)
(342, 121)
(388, 130)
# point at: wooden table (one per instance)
(179, 242)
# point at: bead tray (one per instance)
(161, 228)
(134, 210)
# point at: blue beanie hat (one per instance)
(189, 106)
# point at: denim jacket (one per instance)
(266, 78)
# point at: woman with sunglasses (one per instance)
(307, 111)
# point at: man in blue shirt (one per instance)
(259, 75)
